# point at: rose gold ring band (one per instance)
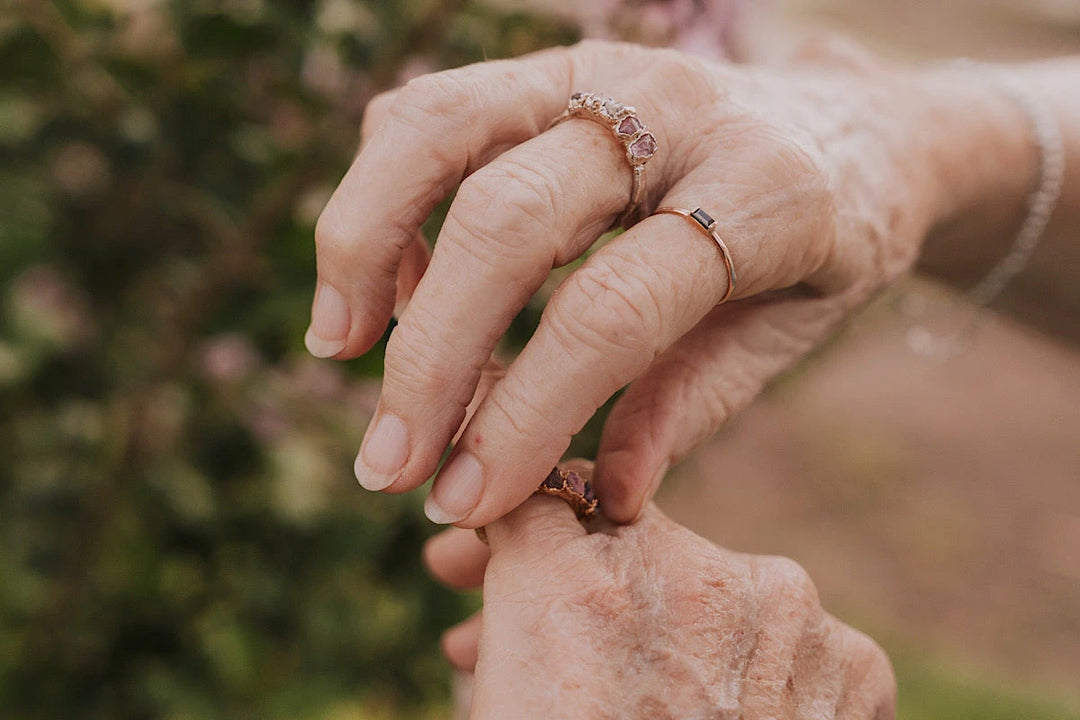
(701, 219)
(571, 487)
(638, 143)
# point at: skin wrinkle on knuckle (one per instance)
(416, 370)
(490, 250)
(607, 306)
(497, 198)
(520, 413)
(412, 125)
(794, 584)
(450, 94)
(787, 601)
(336, 247)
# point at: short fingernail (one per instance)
(456, 490)
(329, 329)
(383, 454)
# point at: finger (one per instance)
(509, 224)
(540, 525)
(457, 558)
(462, 694)
(691, 390)
(376, 112)
(461, 643)
(432, 133)
(414, 262)
(417, 254)
(603, 327)
(537, 527)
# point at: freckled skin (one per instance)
(651, 621)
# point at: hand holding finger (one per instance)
(798, 199)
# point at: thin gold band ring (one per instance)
(702, 219)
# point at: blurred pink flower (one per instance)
(268, 422)
(317, 379)
(45, 307)
(707, 28)
(228, 358)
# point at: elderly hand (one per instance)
(648, 621)
(822, 175)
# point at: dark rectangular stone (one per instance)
(702, 218)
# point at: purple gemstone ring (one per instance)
(574, 489)
(571, 487)
(637, 141)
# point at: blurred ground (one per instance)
(936, 504)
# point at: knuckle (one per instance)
(789, 583)
(337, 247)
(521, 411)
(416, 370)
(610, 305)
(427, 111)
(507, 201)
(444, 95)
(331, 235)
(376, 112)
(870, 682)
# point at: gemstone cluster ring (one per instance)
(571, 487)
(622, 120)
(574, 489)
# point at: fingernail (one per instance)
(329, 330)
(383, 453)
(456, 491)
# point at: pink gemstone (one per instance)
(577, 483)
(644, 147)
(629, 126)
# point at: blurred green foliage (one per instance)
(180, 534)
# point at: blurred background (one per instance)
(180, 533)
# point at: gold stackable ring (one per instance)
(708, 226)
(571, 487)
(638, 143)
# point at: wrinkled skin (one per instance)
(823, 175)
(650, 621)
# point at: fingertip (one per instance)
(461, 644)
(457, 558)
(625, 482)
(328, 333)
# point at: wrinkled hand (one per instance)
(648, 621)
(807, 169)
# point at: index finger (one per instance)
(436, 131)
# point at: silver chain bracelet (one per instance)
(1041, 204)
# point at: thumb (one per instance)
(539, 526)
(713, 372)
